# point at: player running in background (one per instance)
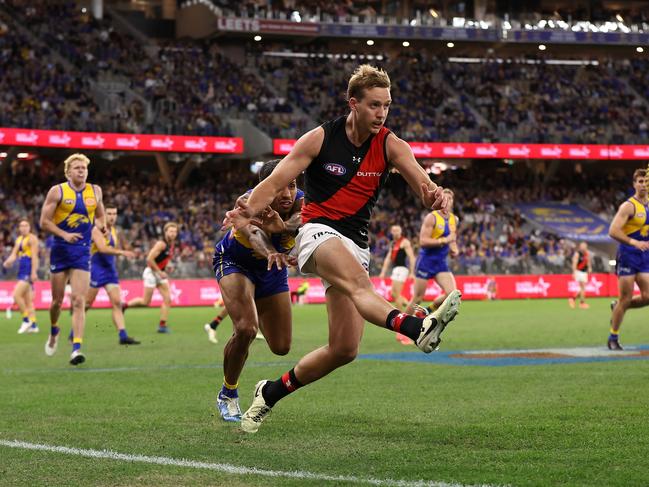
(210, 328)
(436, 241)
(630, 227)
(399, 249)
(103, 272)
(251, 266)
(346, 162)
(70, 211)
(155, 275)
(26, 251)
(581, 268)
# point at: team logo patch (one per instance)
(335, 169)
(68, 201)
(75, 219)
(90, 201)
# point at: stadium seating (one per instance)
(516, 99)
(494, 238)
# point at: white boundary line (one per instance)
(220, 467)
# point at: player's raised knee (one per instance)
(279, 347)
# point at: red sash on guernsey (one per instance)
(395, 249)
(582, 263)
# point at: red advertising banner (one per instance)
(205, 292)
(123, 142)
(461, 150)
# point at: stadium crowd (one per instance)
(434, 99)
(493, 236)
(55, 72)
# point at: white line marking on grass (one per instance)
(219, 467)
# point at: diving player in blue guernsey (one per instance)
(346, 161)
(103, 272)
(26, 251)
(70, 211)
(630, 227)
(436, 241)
(251, 266)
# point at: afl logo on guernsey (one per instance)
(335, 169)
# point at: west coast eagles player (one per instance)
(26, 252)
(103, 271)
(70, 211)
(437, 239)
(630, 227)
(251, 267)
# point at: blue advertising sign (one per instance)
(568, 221)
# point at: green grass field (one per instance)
(386, 422)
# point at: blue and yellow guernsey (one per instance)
(238, 248)
(442, 227)
(24, 257)
(75, 213)
(638, 225)
(104, 261)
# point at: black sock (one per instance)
(282, 387)
(391, 316)
(215, 322)
(405, 324)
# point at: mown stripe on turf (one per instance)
(150, 368)
(220, 467)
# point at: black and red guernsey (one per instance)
(165, 256)
(398, 255)
(582, 260)
(343, 182)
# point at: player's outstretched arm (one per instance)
(12, 257)
(401, 156)
(410, 253)
(100, 242)
(294, 221)
(262, 244)
(386, 263)
(575, 260)
(100, 214)
(36, 259)
(305, 150)
(452, 245)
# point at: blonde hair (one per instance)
(71, 159)
(364, 78)
(169, 225)
(448, 191)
